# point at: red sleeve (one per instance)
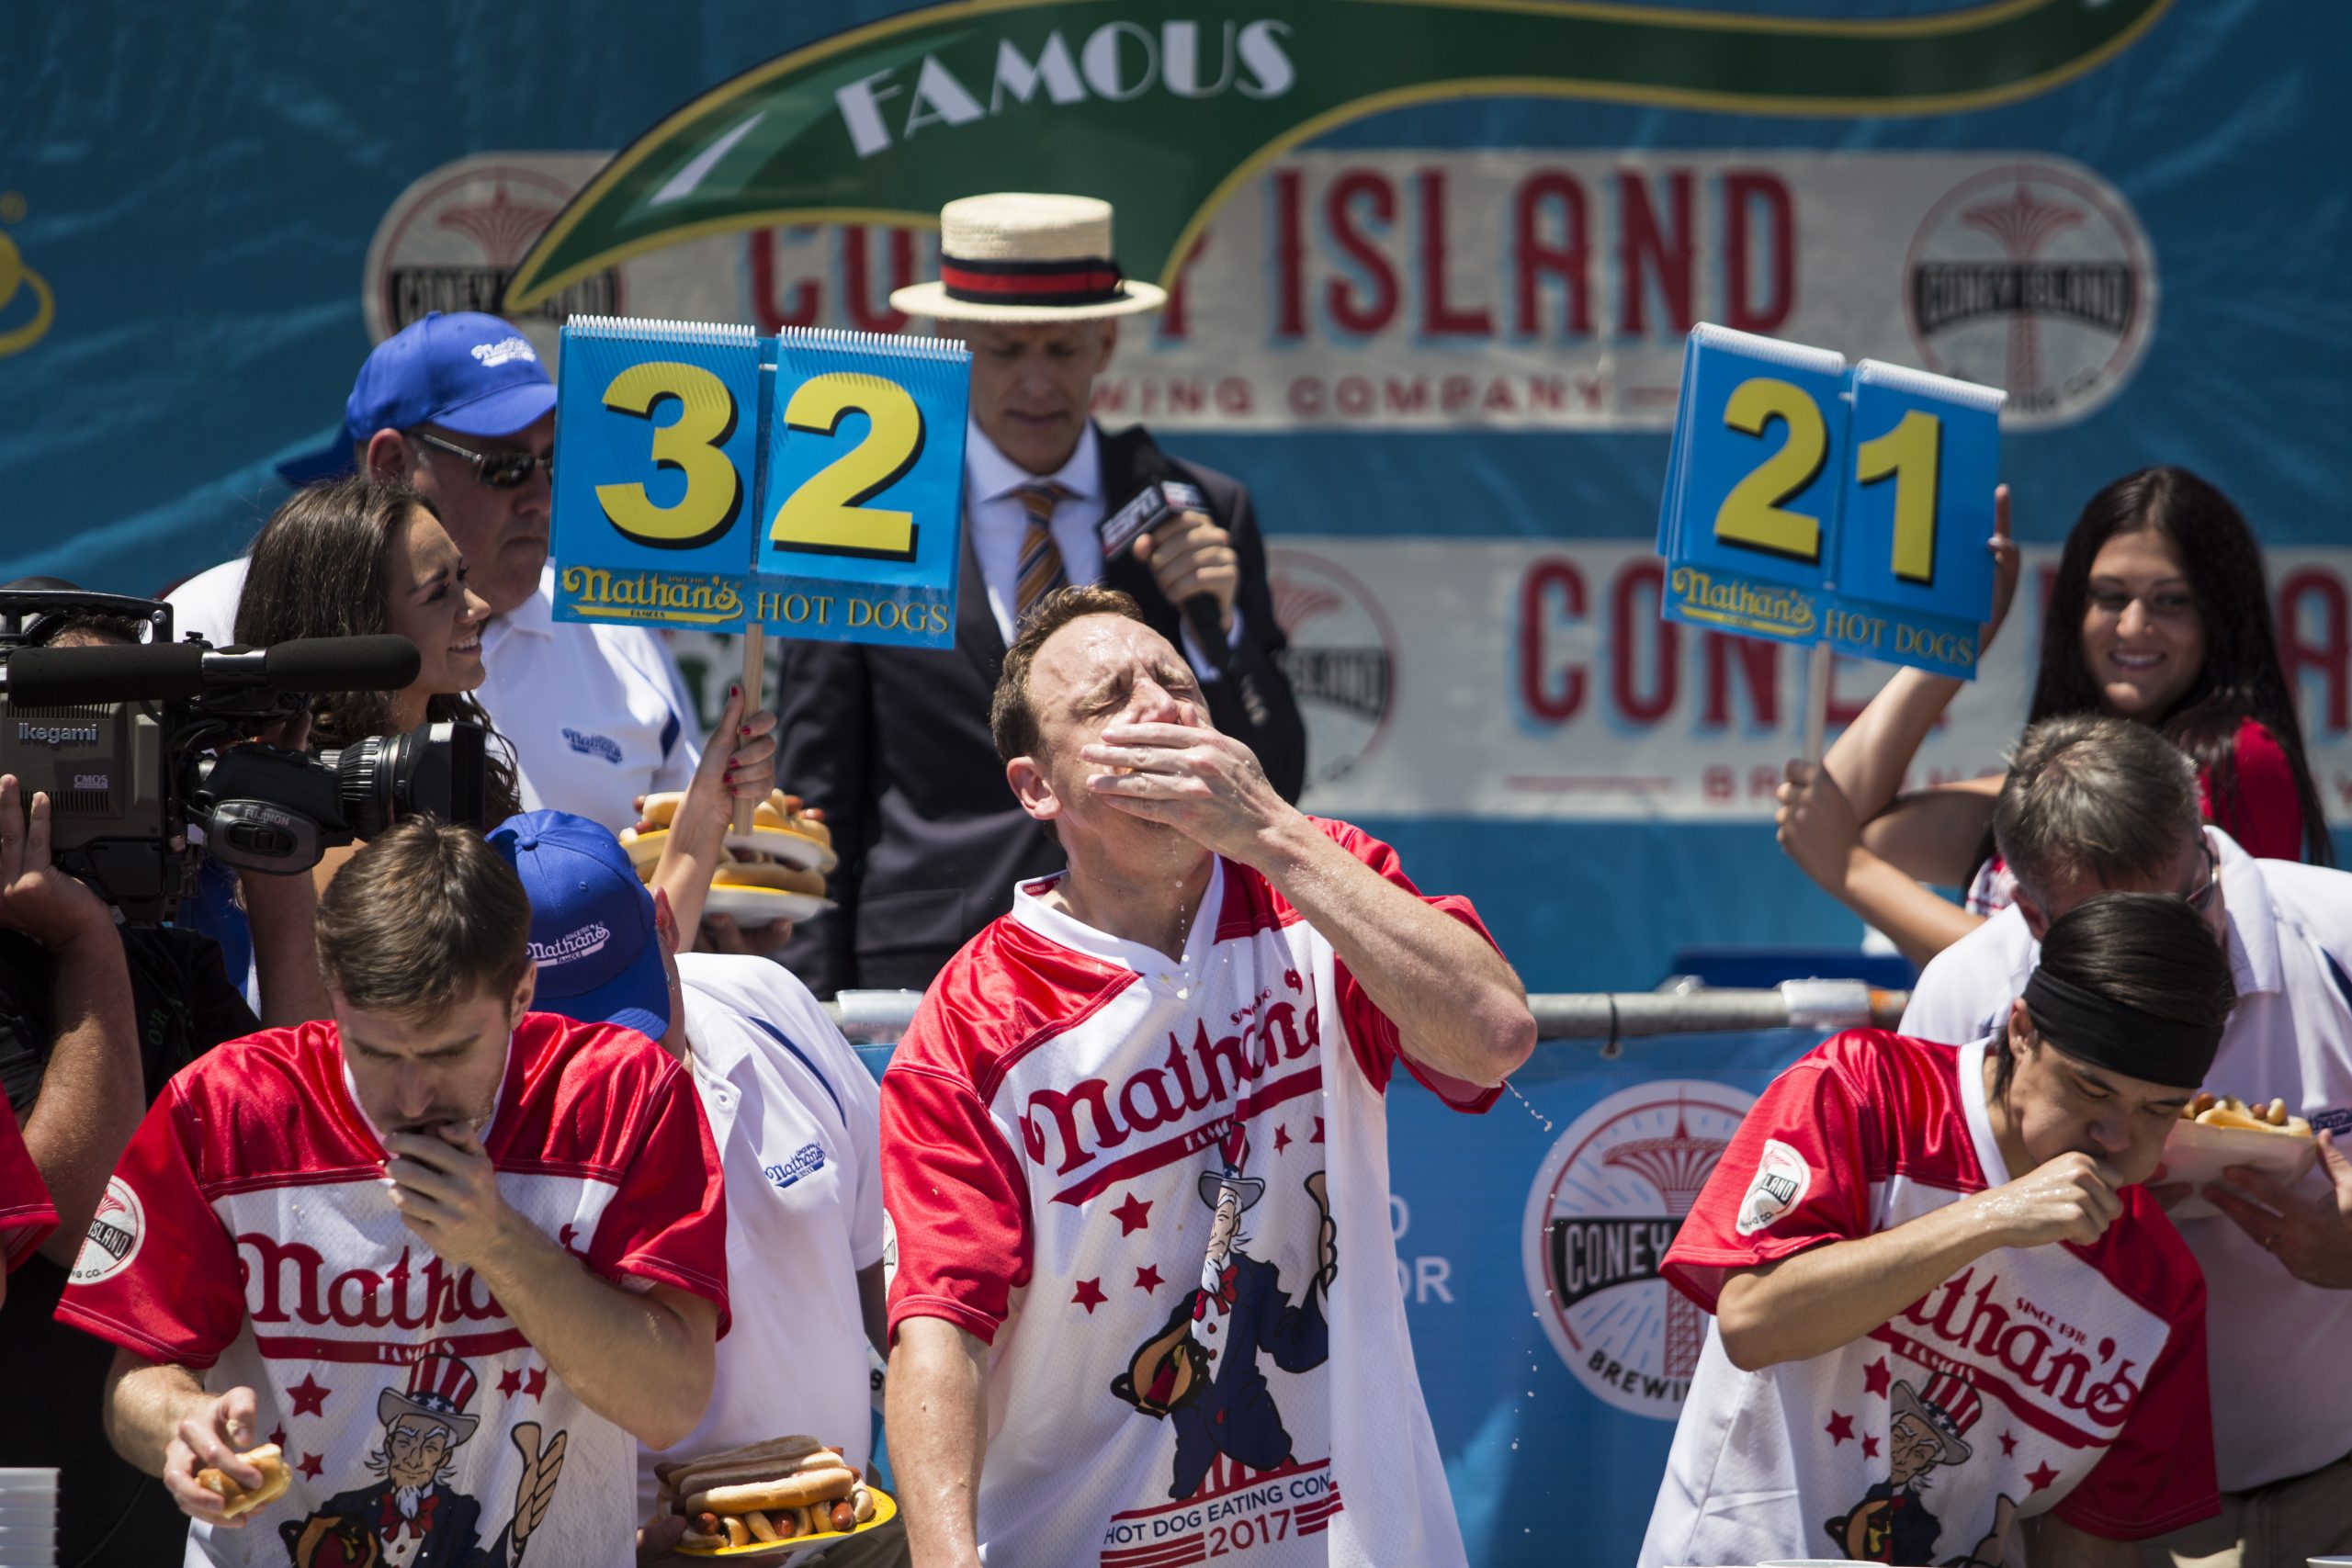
(158, 1273)
(2158, 1474)
(26, 1214)
(1795, 1176)
(957, 1203)
(2266, 819)
(1371, 1033)
(668, 1222)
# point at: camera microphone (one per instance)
(1162, 496)
(60, 677)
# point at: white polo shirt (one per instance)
(796, 1120)
(597, 715)
(2290, 1038)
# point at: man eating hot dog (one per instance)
(452, 1258)
(1134, 1152)
(1949, 1326)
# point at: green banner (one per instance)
(1165, 105)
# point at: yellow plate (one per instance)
(763, 906)
(884, 1510)
(791, 849)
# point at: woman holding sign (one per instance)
(362, 556)
(2159, 613)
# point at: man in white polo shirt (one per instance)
(2096, 805)
(794, 1114)
(460, 407)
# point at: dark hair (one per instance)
(321, 568)
(86, 628)
(2240, 678)
(1011, 720)
(421, 918)
(2148, 951)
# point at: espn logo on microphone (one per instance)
(1152, 506)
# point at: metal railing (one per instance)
(1679, 1006)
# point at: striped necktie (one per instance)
(1040, 563)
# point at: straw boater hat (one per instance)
(1017, 257)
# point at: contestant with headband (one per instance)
(1902, 1367)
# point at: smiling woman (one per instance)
(364, 555)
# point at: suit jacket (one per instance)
(894, 744)
(448, 1541)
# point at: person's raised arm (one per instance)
(92, 1093)
(1815, 827)
(643, 1360)
(1457, 1005)
(936, 1413)
(1813, 1302)
(737, 764)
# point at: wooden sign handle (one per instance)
(755, 679)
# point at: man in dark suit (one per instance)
(894, 743)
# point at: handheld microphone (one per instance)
(1162, 496)
(60, 677)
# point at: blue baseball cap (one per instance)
(591, 922)
(468, 372)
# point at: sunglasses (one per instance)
(499, 470)
(2202, 899)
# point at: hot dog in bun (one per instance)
(234, 1499)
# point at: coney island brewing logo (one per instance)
(1604, 1209)
(451, 240)
(1341, 661)
(2036, 279)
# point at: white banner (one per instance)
(1510, 678)
(1511, 289)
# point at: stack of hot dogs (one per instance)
(779, 1490)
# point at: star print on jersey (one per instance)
(2042, 1476)
(310, 1396)
(510, 1382)
(279, 1436)
(1147, 1279)
(1874, 1378)
(1319, 1132)
(2008, 1444)
(1090, 1295)
(1870, 1448)
(1132, 1216)
(1840, 1429)
(537, 1384)
(1282, 1139)
(311, 1467)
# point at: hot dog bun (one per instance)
(235, 1500)
(769, 874)
(662, 809)
(786, 1491)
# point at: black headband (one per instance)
(2109, 1034)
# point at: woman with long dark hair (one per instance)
(2160, 613)
(362, 556)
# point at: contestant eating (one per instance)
(1951, 1326)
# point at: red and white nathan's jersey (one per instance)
(25, 1217)
(2034, 1379)
(1158, 1186)
(248, 1234)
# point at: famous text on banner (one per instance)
(1913, 578)
(1748, 522)
(862, 519)
(656, 461)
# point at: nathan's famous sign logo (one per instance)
(892, 120)
(27, 305)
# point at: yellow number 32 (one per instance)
(691, 443)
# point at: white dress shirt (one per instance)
(2282, 1381)
(597, 715)
(798, 1121)
(999, 525)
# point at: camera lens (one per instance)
(367, 780)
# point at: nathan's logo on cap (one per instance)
(112, 1240)
(493, 354)
(589, 939)
(1781, 1181)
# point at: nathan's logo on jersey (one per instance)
(586, 745)
(1068, 1131)
(2028, 1353)
(590, 937)
(115, 1232)
(1781, 1179)
(1604, 1209)
(288, 1281)
(808, 1162)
